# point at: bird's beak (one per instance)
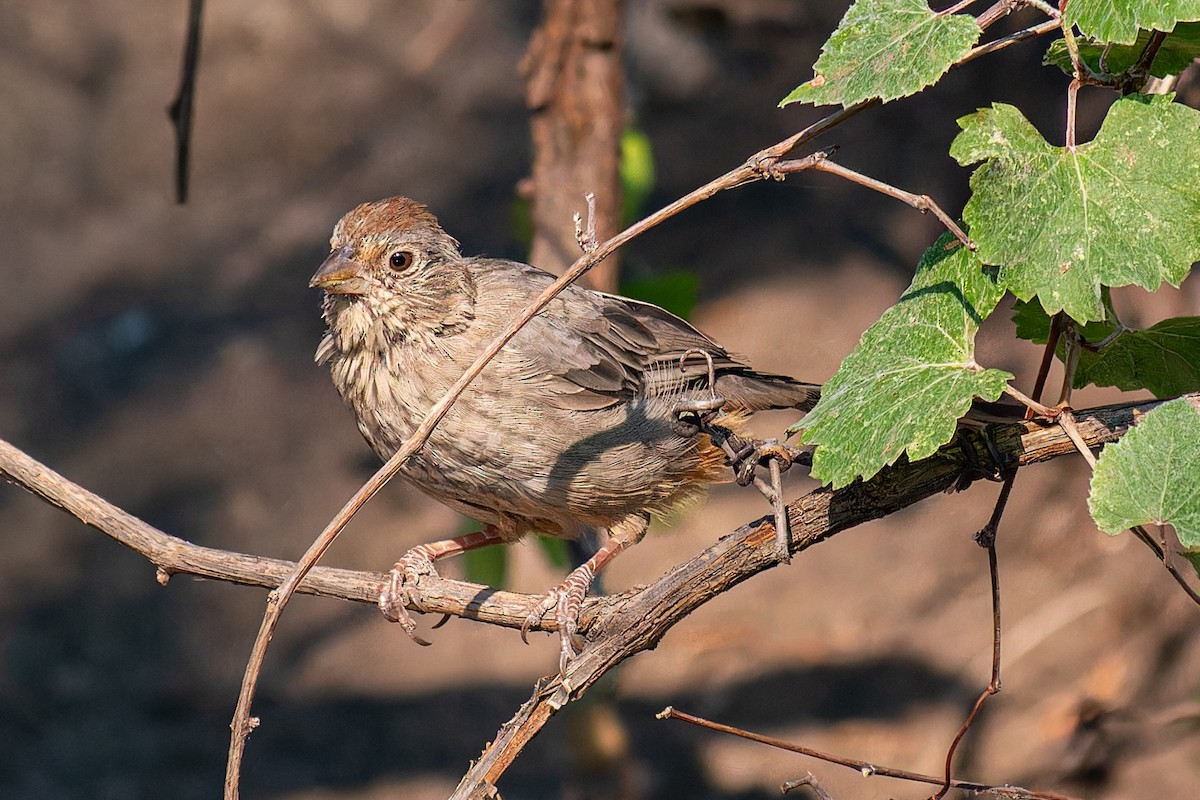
(340, 274)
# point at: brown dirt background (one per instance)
(161, 356)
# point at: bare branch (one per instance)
(921, 202)
(813, 518)
(865, 767)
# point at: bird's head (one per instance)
(392, 266)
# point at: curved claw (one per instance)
(566, 600)
(400, 591)
(548, 601)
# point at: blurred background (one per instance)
(161, 356)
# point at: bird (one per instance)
(578, 422)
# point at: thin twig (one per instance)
(1067, 421)
(921, 202)
(1044, 7)
(1007, 41)
(866, 768)
(957, 7)
(1071, 340)
(996, 13)
(1072, 97)
(587, 238)
(985, 538)
(1166, 554)
(811, 782)
(1040, 410)
(180, 110)
(1039, 385)
(1136, 76)
(1096, 347)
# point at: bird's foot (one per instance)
(777, 457)
(401, 589)
(691, 416)
(746, 456)
(566, 600)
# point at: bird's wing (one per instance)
(591, 350)
(584, 351)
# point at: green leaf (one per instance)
(676, 291)
(1118, 21)
(1175, 55)
(1150, 476)
(1121, 209)
(886, 49)
(1033, 323)
(487, 565)
(913, 374)
(1163, 359)
(637, 173)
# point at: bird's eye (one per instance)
(401, 260)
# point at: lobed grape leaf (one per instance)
(1150, 475)
(1118, 21)
(1176, 53)
(886, 49)
(1121, 209)
(1163, 359)
(913, 374)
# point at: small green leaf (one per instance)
(1121, 209)
(676, 291)
(1163, 359)
(1150, 476)
(637, 173)
(487, 565)
(1175, 55)
(1118, 21)
(913, 374)
(886, 49)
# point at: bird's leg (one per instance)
(566, 599)
(401, 588)
(700, 415)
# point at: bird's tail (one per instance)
(756, 391)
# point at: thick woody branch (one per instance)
(732, 559)
(622, 625)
